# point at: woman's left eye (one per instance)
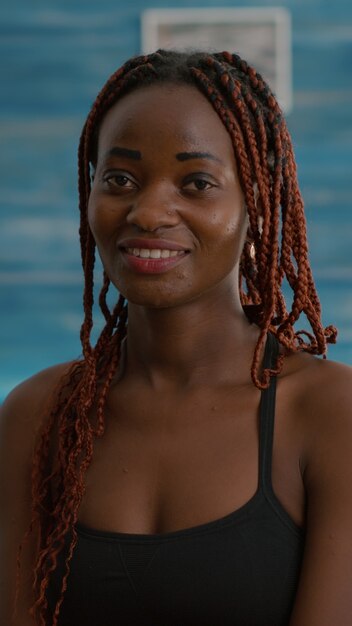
(199, 184)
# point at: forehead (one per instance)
(165, 112)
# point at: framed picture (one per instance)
(262, 36)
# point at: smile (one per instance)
(152, 260)
(154, 253)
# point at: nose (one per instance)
(153, 209)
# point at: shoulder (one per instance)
(34, 390)
(321, 393)
(23, 409)
(21, 417)
(318, 385)
(326, 401)
(317, 395)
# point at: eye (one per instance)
(199, 183)
(119, 180)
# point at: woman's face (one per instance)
(166, 208)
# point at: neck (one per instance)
(190, 345)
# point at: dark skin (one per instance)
(181, 444)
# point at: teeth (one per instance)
(154, 253)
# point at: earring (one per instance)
(252, 251)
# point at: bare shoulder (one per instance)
(316, 395)
(23, 408)
(319, 386)
(36, 387)
(321, 391)
(22, 415)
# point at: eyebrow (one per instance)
(136, 155)
(185, 156)
(124, 152)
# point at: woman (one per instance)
(169, 486)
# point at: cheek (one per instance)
(103, 231)
(229, 230)
(93, 215)
(101, 219)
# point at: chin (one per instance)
(152, 298)
(154, 292)
(155, 302)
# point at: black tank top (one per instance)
(240, 570)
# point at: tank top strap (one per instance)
(267, 416)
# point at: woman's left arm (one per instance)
(324, 596)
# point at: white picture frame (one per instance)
(262, 36)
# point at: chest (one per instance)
(170, 463)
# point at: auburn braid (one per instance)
(74, 437)
(238, 127)
(268, 176)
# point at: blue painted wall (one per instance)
(55, 56)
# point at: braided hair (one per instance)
(267, 171)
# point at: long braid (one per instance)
(305, 295)
(243, 136)
(75, 438)
(268, 176)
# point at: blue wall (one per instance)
(56, 55)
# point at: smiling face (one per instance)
(166, 208)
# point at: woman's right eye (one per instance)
(119, 180)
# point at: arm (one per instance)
(20, 418)
(324, 596)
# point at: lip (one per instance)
(151, 244)
(151, 266)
